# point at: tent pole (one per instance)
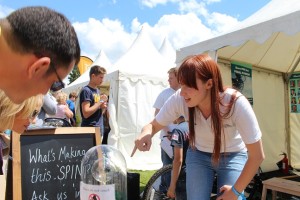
(287, 119)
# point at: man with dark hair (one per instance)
(91, 103)
(38, 48)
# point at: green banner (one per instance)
(294, 86)
(241, 76)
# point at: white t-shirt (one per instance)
(158, 104)
(241, 127)
(163, 97)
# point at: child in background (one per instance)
(180, 143)
(71, 104)
(63, 111)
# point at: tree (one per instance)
(74, 74)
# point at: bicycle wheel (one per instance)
(253, 190)
(158, 184)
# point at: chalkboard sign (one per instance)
(47, 163)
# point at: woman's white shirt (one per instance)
(240, 126)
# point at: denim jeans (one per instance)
(200, 172)
(166, 178)
(166, 160)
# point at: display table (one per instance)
(280, 185)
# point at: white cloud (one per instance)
(110, 36)
(135, 25)
(217, 22)
(212, 1)
(4, 11)
(182, 30)
(194, 24)
(153, 3)
(185, 6)
(192, 6)
(221, 23)
(107, 35)
(212, 24)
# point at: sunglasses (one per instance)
(34, 114)
(57, 85)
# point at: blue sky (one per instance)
(112, 25)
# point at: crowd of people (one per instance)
(214, 129)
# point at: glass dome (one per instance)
(103, 174)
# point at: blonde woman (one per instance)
(63, 110)
(17, 116)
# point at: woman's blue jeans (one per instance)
(200, 172)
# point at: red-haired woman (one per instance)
(225, 138)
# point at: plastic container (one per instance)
(103, 174)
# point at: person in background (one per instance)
(293, 92)
(180, 142)
(16, 117)
(63, 110)
(106, 126)
(38, 48)
(49, 108)
(91, 103)
(293, 101)
(294, 108)
(224, 135)
(71, 104)
(158, 104)
(55, 92)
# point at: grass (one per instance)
(144, 177)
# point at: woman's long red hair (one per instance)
(203, 67)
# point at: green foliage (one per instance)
(74, 74)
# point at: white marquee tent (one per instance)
(269, 40)
(167, 51)
(137, 79)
